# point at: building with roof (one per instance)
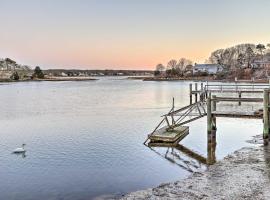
(207, 68)
(264, 62)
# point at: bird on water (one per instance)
(20, 149)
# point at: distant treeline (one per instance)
(242, 60)
(78, 72)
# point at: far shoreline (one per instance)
(53, 79)
(197, 79)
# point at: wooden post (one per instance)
(190, 93)
(214, 120)
(209, 120)
(214, 108)
(265, 116)
(173, 104)
(201, 93)
(209, 115)
(196, 94)
(173, 121)
(211, 153)
(239, 95)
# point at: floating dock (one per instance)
(168, 135)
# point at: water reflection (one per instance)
(184, 157)
(23, 154)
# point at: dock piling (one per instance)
(214, 108)
(190, 93)
(266, 116)
(196, 94)
(211, 153)
(201, 92)
(211, 121)
(239, 95)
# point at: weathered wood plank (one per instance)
(238, 114)
(233, 99)
(166, 135)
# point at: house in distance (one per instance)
(207, 68)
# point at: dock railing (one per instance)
(236, 87)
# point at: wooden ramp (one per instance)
(167, 135)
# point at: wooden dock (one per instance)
(205, 102)
(167, 135)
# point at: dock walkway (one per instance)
(219, 100)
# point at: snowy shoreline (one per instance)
(244, 174)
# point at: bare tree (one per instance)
(183, 63)
(216, 57)
(260, 48)
(240, 60)
(233, 57)
(160, 67)
(172, 64)
(268, 50)
(250, 55)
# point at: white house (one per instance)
(208, 68)
(262, 63)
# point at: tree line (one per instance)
(241, 55)
(232, 59)
(173, 67)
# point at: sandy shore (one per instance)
(245, 174)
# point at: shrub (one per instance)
(38, 73)
(157, 73)
(15, 76)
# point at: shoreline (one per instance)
(51, 79)
(244, 174)
(198, 79)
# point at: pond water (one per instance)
(84, 139)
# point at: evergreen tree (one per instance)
(38, 73)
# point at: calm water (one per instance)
(84, 139)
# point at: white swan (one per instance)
(20, 149)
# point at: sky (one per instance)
(126, 34)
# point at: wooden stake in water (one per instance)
(196, 94)
(209, 120)
(265, 116)
(214, 108)
(239, 95)
(190, 93)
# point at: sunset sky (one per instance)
(126, 34)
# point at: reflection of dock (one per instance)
(207, 103)
(185, 157)
(183, 149)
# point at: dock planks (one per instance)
(169, 136)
